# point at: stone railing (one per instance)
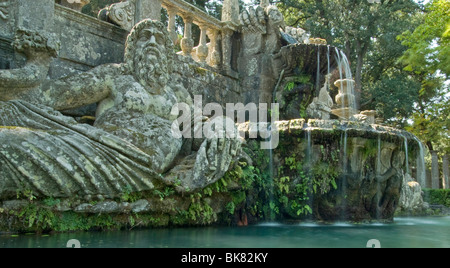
(209, 26)
(216, 54)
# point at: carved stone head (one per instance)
(275, 16)
(149, 54)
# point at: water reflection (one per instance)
(404, 232)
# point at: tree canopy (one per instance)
(428, 59)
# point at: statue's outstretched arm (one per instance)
(30, 83)
(77, 90)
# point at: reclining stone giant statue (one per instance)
(130, 147)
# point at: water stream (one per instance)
(318, 72)
(420, 162)
(309, 160)
(379, 171)
(405, 141)
(343, 215)
(345, 73)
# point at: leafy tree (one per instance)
(429, 43)
(432, 124)
(394, 95)
(428, 59)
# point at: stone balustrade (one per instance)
(209, 26)
(216, 54)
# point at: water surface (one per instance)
(429, 232)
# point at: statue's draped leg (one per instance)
(51, 155)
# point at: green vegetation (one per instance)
(437, 196)
(428, 60)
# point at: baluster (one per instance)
(226, 48)
(171, 27)
(214, 48)
(187, 43)
(202, 49)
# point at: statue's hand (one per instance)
(253, 20)
(214, 159)
(209, 164)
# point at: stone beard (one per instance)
(151, 68)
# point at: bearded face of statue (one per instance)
(148, 55)
(150, 59)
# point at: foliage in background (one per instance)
(437, 196)
(429, 43)
(428, 59)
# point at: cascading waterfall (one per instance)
(348, 76)
(271, 173)
(346, 96)
(318, 72)
(341, 77)
(308, 146)
(421, 169)
(343, 215)
(405, 141)
(378, 215)
(345, 151)
(309, 162)
(379, 154)
(328, 59)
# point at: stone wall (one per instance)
(86, 42)
(201, 79)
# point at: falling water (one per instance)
(318, 71)
(406, 154)
(338, 55)
(308, 146)
(348, 76)
(379, 155)
(271, 173)
(345, 152)
(309, 165)
(328, 58)
(328, 70)
(378, 216)
(343, 216)
(421, 169)
(345, 73)
(345, 62)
